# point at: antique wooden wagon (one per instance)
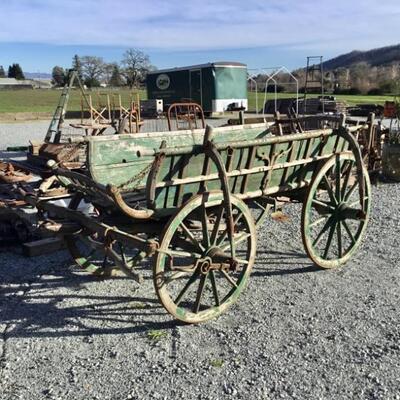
(191, 202)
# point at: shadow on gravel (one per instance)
(62, 305)
(301, 263)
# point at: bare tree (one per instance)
(135, 64)
(92, 70)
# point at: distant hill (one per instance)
(37, 75)
(375, 58)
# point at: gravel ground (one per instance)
(19, 133)
(296, 332)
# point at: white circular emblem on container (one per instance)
(163, 81)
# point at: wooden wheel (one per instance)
(95, 253)
(201, 268)
(335, 215)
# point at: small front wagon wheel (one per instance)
(335, 214)
(201, 269)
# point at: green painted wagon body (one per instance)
(259, 163)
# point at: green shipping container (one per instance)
(217, 86)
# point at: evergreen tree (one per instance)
(15, 71)
(77, 66)
(2, 72)
(116, 77)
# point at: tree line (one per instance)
(14, 71)
(93, 71)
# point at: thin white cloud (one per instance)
(201, 24)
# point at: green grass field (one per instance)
(45, 100)
(349, 99)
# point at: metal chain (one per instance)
(136, 179)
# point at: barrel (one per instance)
(391, 161)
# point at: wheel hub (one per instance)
(215, 259)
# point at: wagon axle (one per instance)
(341, 212)
(216, 260)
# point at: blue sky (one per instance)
(262, 33)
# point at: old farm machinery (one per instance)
(191, 200)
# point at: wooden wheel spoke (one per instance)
(337, 180)
(323, 204)
(330, 190)
(190, 281)
(214, 287)
(346, 179)
(177, 275)
(351, 191)
(178, 253)
(225, 234)
(122, 251)
(190, 236)
(339, 239)
(216, 226)
(318, 221)
(322, 232)
(237, 240)
(347, 229)
(354, 203)
(228, 278)
(199, 294)
(204, 226)
(329, 241)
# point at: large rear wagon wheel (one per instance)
(201, 269)
(334, 215)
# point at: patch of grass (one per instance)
(157, 335)
(217, 363)
(46, 100)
